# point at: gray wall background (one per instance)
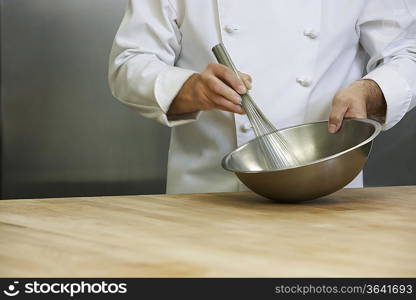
(63, 134)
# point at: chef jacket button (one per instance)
(230, 29)
(246, 127)
(310, 33)
(303, 81)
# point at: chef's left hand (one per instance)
(361, 99)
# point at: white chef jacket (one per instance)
(299, 53)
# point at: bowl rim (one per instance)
(377, 129)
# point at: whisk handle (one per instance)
(222, 56)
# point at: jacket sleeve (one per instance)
(141, 69)
(388, 34)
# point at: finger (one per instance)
(234, 109)
(224, 104)
(217, 87)
(358, 115)
(357, 109)
(338, 110)
(230, 78)
(246, 79)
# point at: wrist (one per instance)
(375, 102)
(184, 101)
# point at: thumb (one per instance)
(338, 110)
(246, 79)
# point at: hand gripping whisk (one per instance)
(276, 151)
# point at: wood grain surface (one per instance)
(354, 232)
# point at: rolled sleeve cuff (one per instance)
(167, 86)
(396, 91)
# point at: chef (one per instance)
(308, 60)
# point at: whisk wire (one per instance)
(276, 151)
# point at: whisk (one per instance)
(276, 150)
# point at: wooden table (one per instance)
(354, 232)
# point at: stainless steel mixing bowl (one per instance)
(328, 162)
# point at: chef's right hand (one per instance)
(217, 87)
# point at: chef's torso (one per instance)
(299, 54)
